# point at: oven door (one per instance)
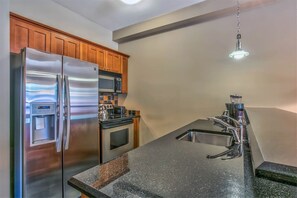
(106, 84)
(117, 141)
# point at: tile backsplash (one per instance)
(109, 97)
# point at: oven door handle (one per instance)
(115, 124)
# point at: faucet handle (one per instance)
(236, 123)
(226, 113)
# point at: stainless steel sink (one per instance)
(207, 137)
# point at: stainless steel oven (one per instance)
(117, 137)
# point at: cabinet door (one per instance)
(40, 39)
(64, 45)
(96, 55)
(136, 132)
(57, 44)
(26, 35)
(83, 51)
(19, 35)
(113, 62)
(125, 75)
(109, 61)
(117, 63)
(101, 58)
(72, 48)
(92, 54)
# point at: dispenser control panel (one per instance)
(43, 109)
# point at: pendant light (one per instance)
(239, 53)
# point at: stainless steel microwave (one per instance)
(110, 84)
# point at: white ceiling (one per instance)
(114, 14)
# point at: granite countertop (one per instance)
(273, 140)
(167, 167)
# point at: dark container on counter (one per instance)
(120, 110)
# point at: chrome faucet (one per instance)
(233, 129)
(237, 133)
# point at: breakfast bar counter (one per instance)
(168, 167)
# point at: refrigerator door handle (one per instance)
(68, 113)
(60, 113)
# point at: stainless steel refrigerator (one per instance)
(55, 122)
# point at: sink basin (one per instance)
(207, 137)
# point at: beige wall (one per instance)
(55, 15)
(4, 99)
(182, 75)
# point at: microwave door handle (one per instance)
(115, 85)
(59, 113)
(120, 86)
(68, 113)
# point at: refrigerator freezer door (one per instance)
(42, 164)
(81, 137)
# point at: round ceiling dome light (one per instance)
(130, 2)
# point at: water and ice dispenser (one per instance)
(43, 123)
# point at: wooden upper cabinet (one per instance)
(101, 58)
(83, 51)
(92, 54)
(72, 48)
(23, 34)
(117, 63)
(57, 44)
(109, 61)
(27, 33)
(113, 62)
(125, 75)
(64, 45)
(96, 55)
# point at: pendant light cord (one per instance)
(238, 17)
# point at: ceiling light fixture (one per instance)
(239, 53)
(130, 2)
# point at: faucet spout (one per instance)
(232, 152)
(236, 123)
(232, 129)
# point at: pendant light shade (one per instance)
(239, 53)
(130, 2)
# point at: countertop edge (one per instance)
(270, 170)
(257, 157)
(277, 172)
(85, 189)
